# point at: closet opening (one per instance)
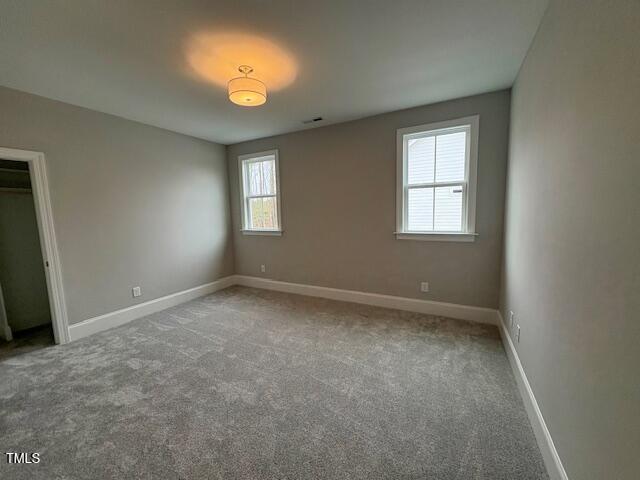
(33, 311)
(25, 313)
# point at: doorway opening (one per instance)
(32, 307)
(23, 286)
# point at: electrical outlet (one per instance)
(136, 291)
(518, 335)
(263, 268)
(510, 319)
(424, 287)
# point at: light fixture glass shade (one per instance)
(247, 92)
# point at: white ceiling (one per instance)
(342, 59)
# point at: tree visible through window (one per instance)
(260, 194)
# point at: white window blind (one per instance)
(436, 188)
(260, 196)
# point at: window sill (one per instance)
(437, 236)
(269, 233)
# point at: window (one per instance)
(260, 193)
(436, 184)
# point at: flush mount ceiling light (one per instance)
(245, 91)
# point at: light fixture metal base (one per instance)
(245, 69)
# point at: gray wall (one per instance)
(22, 277)
(572, 260)
(132, 204)
(338, 209)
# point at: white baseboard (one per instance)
(125, 315)
(550, 455)
(451, 310)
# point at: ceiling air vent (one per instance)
(313, 120)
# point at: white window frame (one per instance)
(250, 158)
(468, 233)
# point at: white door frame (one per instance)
(50, 255)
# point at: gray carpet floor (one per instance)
(252, 384)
